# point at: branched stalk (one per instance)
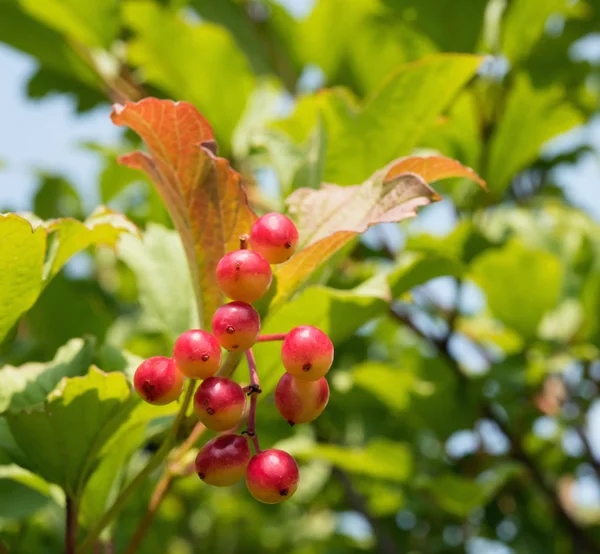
(155, 460)
(269, 338)
(254, 391)
(172, 471)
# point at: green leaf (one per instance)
(22, 493)
(380, 458)
(28, 35)
(525, 22)
(339, 313)
(103, 227)
(393, 386)
(57, 197)
(531, 118)
(93, 23)
(234, 17)
(460, 496)
(65, 437)
(165, 289)
(182, 58)
(418, 269)
(521, 284)
(28, 385)
(393, 119)
(22, 251)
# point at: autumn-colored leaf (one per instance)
(203, 194)
(434, 168)
(330, 217)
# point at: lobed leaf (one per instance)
(28, 385)
(63, 439)
(203, 194)
(103, 227)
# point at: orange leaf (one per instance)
(204, 196)
(433, 168)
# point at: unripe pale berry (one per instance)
(158, 381)
(236, 326)
(244, 275)
(197, 354)
(301, 401)
(307, 353)
(223, 460)
(219, 403)
(272, 476)
(275, 237)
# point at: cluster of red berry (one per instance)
(301, 395)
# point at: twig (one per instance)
(516, 451)
(71, 525)
(269, 338)
(384, 542)
(230, 364)
(150, 466)
(253, 393)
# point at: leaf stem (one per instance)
(71, 525)
(154, 461)
(253, 393)
(269, 338)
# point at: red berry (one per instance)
(244, 275)
(272, 476)
(275, 237)
(222, 461)
(307, 353)
(236, 326)
(301, 401)
(219, 403)
(197, 354)
(158, 381)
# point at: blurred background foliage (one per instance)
(463, 415)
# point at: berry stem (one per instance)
(254, 392)
(244, 242)
(230, 364)
(269, 338)
(154, 461)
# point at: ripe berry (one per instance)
(307, 353)
(197, 354)
(222, 461)
(158, 381)
(301, 401)
(236, 326)
(272, 476)
(219, 403)
(275, 237)
(244, 275)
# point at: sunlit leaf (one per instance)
(70, 236)
(196, 62)
(28, 385)
(203, 194)
(330, 217)
(22, 252)
(165, 289)
(381, 458)
(392, 121)
(63, 438)
(521, 284)
(531, 118)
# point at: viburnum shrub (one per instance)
(219, 402)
